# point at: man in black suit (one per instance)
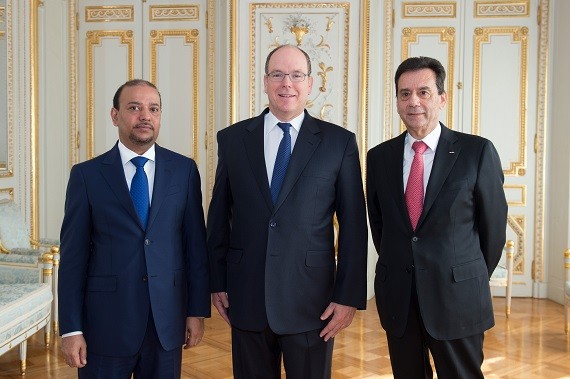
(133, 281)
(435, 260)
(274, 276)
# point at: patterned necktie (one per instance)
(415, 188)
(281, 161)
(139, 190)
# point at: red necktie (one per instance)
(415, 188)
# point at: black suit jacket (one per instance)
(113, 272)
(277, 263)
(457, 243)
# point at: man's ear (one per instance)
(114, 114)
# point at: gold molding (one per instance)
(7, 193)
(109, 13)
(174, 13)
(74, 143)
(365, 48)
(522, 192)
(211, 126)
(2, 14)
(447, 35)
(501, 8)
(34, 120)
(519, 34)
(517, 224)
(190, 37)
(7, 169)
(541, 126)
(94, 38)
(388, 68)
(433, 10)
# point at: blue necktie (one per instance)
(281, 161)
(139, 190)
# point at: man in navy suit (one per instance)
(432, 276)
(133, 289)
(275, 278)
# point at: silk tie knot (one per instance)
(419, 147)
(281, 161)
(139, 190)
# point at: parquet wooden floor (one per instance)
(530, 344)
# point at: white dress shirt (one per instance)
(431, 141)
(272, 137)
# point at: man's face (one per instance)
(138, 117)
(287, 99)
(418, 102)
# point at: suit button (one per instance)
(145, 278)
(147, 242)
(414, 239)
(273, 224)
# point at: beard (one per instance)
(139, 140)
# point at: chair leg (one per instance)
(23, 353)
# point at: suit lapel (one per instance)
(162, 178)
(447, 152)
(306, 144)
(394, 169)
(254, 147)
(114, 174)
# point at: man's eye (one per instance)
(154, 110)
(424, 94)
(134, 108)
(277, 75)
(297, 75)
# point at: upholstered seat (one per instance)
(503, 275)
(22, 254)
(567, 292)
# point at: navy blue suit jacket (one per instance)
(113, 272)
(277, 262)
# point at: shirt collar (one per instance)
(431, 139)
(127, 154)
(271, 121)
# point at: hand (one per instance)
(342, 316)
(194, 331)
(221, 302)
(74, 349)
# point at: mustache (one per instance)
(144, 125)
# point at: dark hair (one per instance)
(296, 47)
(419, 63)
(133, 83)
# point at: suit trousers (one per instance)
(409, 354)
(259, 354)
(152, 361)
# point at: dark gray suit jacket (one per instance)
(458, 239)
(277, 263)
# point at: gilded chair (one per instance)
(567, 292)
(16, 245)
(503, 275)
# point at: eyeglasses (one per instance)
(278, 76)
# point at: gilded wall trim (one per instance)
(516, 189)
(34, 120)
(7, 193)
(8, 170)
(211, 127)
(517, 225)
(541, 123)
(174, 13)
(436, 9)
(94, 38)
(157, 37)
(446, 35)
(520, 35)
(365, 48)
(72, 61)
(299, 24)
(494, 8)
(388, 69)
(2, 14)
(109, 13)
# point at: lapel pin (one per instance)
(452, 152)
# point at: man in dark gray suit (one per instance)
(274, 275)
(435, 260)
